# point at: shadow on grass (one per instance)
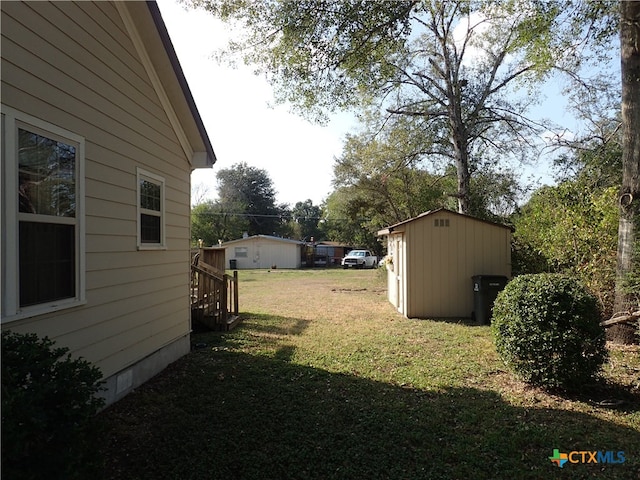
(466, 321)
(275, 324)
(220, 414)
(604, 394)
(259, 322)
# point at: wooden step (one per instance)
(214, 322)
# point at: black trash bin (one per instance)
(485, 291)
(233, 263)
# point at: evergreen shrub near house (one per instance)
(546, 329)
(49, 407)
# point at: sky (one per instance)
(237, 109)
(242, 127)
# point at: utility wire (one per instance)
(264, 215)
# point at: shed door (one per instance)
(256, 258)
(392, 284)
(398, 273)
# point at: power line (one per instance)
(264, 215)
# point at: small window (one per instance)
(150, 211)
(241, 252)
(441, 222)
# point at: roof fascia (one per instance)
(197, 159)
(200, 159)
(400, 227)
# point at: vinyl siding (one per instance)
(74, 66)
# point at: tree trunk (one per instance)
(460, 145)
(629, 203)
(464, 177)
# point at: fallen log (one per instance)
(624, 317)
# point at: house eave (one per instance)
(390, 230)
(206, 157)
(287, 241)
(150, 36)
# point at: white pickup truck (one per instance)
(360, 259)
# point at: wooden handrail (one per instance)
(214, 294)
(216, 272)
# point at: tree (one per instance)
(454, 65)
(385, 177)
(554, 232)
(572, 227)
(245, 204)
(305, 219)
(629, 202)
(211, 223)
(385, 170)
(347, 219)
(495, 194)
(248, 192)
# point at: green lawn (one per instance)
(325, 380)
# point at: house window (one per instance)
(241, 252)
(441, 222)
(150, 210)
(44, 249)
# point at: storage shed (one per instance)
(330, 253)
(433, 256)
(263, 251)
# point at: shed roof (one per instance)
(398, 226)
(332, 244)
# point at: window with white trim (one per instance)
(151, 225)
(43, 251)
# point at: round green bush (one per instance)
(546, 329)
(49, 406)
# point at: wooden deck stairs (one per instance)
(214, 297)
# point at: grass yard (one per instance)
(325, 380)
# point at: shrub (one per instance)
(555, 233)
(49, 407)
(547, 330)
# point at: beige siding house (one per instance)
(263, 251)
(433, 257)
(100, 135)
